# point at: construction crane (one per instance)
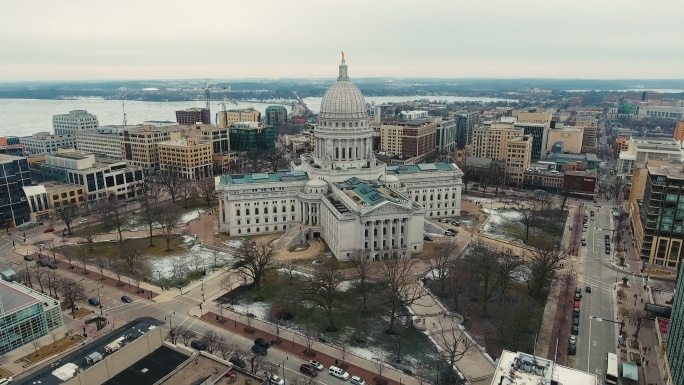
(123, 106)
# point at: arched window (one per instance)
(293, 208)
(275, 210)
(439, 196)
(246, 211)
(453, 195)
(256, 211)
(431, 197)
(337, 152)
(237, 212)
(265, 210)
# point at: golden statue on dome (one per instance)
(342, 55)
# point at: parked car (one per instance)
(49, 230)
(428, 239)
(82, 221)
(587, 289)
(28, 258)
(578, 297)
(578, 290)
(126, 299)
(42, 262)
(275, 380)
(455, 223)
(584, 243)
(93, 301)
(449, 234)
(316, 365)
(52, 265)
(338, 372)
(6, 380)
(237, 361)
(575, 330)
(256, 349)
(572, 340)
(355, 380)
(198, 344)
(575, 321)
(572, 350)
(308, 369)
(576, 305)
(262, 342)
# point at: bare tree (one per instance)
(130, 255)
(441, 259)
(186, 191)
(223, 347)
(639, 319)
(173, 335)
(51, 246)
(171, 181)
(112, 212)
(211, 341)
(39, 274)
(379, 361)
(453, 340)
(528, 217)
(308, 338)
(361, 266)
(321, 289)
(150, 211)
(256, 259)
(186, 335)
(542, 263)
(100, 262)
(68, 253)
(256, 361)
(89, 233)
(82, 253)
(398, 286)
(36, 346)
(207, 189)
(67, 214)
(73, 292)
(140, 272)
(52, 280)
(483, 265)
(117, 267)
(513, 322)
(169, 219)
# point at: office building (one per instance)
(539, 133)
(674, 343)
(571, 137)
(533, 115)
(657, 224)
(275, 115)
(76, 120)
(446, 135)
(574, 161)
(37, 199)
(217, 137)
(518, 158)
(193, 116)
(139, 145)
(589, 126)
(642, 150)
(14, 175)
(228, 118)
(490, 139)
(251, 137)
(580, 183)
(461, 131)
(522, 368)
(103, 141)
(340, 192)
(412, 137)
(62, 194)
(43, 143)
(11, 145)
(545, 179)
(679, 131)
(26, 315)
(189, 158)
(101, 177)
(621, 144)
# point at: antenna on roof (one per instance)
(123, 108)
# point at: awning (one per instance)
(659, 310)
(629, 371)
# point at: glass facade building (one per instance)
(14, 174)
(25, 315)
(674, 345)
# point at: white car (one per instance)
(273, 379)
(316, 365)
(338, 372)
(82, 221)
(357, 381)
(6, 380)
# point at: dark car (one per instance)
(42, 262)
(197, 344)
(575, 330)
(578, 297)
(607, 250)
(49, 230)
(426, 238)
(307, 369)
(449, 234)
(575, 321)
(52, 265)
(126, 299)
(578, 290)
(588, 289)
(93, 301)
(262, 342)
(237, 361)
(572, 350)
(28, 258)
(256, 349)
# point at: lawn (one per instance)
(194, 204)
(362, 334)
(53, 348)
(105, 247)
(82, 312)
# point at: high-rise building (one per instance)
(674, 344)
(104, 141)
(275, 115)
(657, 222)
(414, 137)
(14, 175)
(446, 135)
(25, 315)
(590, 126)
(227, 118)
(193, 115)
(251, 136)
(43, 143)
(461, 131)
(679, 131)
(218, 137)
(518, 158)
(187, 157)
(76, 120)
(571, 137)
(11, 145)
(490, 139)
(522, 368)
(139, 145)
(539, 132)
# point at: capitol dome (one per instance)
(343, 100)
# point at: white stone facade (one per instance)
(43, 143)
(76, 120)
(340, 192)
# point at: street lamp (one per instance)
(283, 365)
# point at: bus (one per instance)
(612, 369)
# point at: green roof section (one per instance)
(630, 371)
(393, 169)
(270, 177)
(362, 191)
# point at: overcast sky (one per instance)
(227, 39)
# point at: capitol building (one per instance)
(340, 192)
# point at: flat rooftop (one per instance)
(668, 171)
(75, 155)
(14, 296)
(200, 367)
(394, 169)
(521, 368)
(9, 158)
(363, 192)
(151, 369)
(266, 177)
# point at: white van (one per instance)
(93, 358)
(339, 373)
